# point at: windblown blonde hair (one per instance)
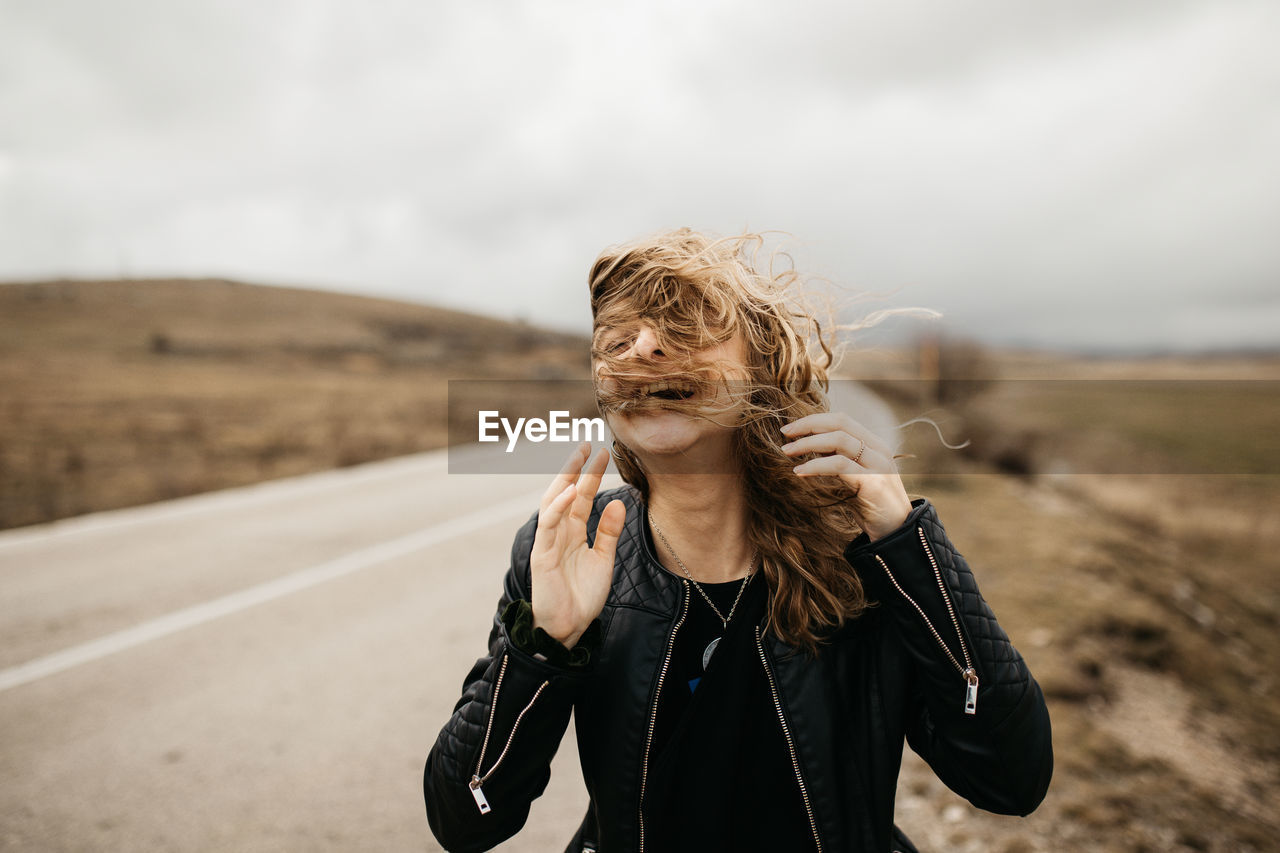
(697, 291)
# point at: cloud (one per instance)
(1068, 174)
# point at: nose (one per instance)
(646, 343)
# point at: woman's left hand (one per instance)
(859, 458)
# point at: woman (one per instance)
(748, 631)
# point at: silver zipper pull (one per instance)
(478, 794)
(971, 691)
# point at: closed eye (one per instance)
(613, 345)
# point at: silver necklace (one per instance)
(724, 620)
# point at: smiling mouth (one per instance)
(667, 390)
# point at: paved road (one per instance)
(259, 669)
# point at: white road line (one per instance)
(304, 578)
(234, 498)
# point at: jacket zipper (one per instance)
(967, 670)
(477, 779)
(653, 711)
(791, 746)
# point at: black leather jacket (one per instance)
(928, 664)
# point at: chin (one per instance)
(661, 433)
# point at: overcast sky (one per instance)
(1093, 173)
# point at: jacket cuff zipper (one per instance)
(967, 670)
(477, 778)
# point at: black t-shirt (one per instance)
(721, 775)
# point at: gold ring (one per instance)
(862, 447)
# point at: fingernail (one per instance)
(788, 446)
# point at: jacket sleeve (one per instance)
(992, 744)
(492, 759)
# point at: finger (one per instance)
(832, 421)
(836, 465)
(842, 443)
(588, 485)
(544, 538)
(610, 528)
(568, 474)
(835, 421)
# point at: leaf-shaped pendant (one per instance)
(708, 652)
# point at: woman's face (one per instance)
(650, 429)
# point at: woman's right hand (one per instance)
(570, 580)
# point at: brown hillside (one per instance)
(115, 393)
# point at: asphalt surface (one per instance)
(259, 669)
(296, 718)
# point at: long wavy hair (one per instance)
(697, 291)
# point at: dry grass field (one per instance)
(1146, 602)
(121, 393)
(1124, 533)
